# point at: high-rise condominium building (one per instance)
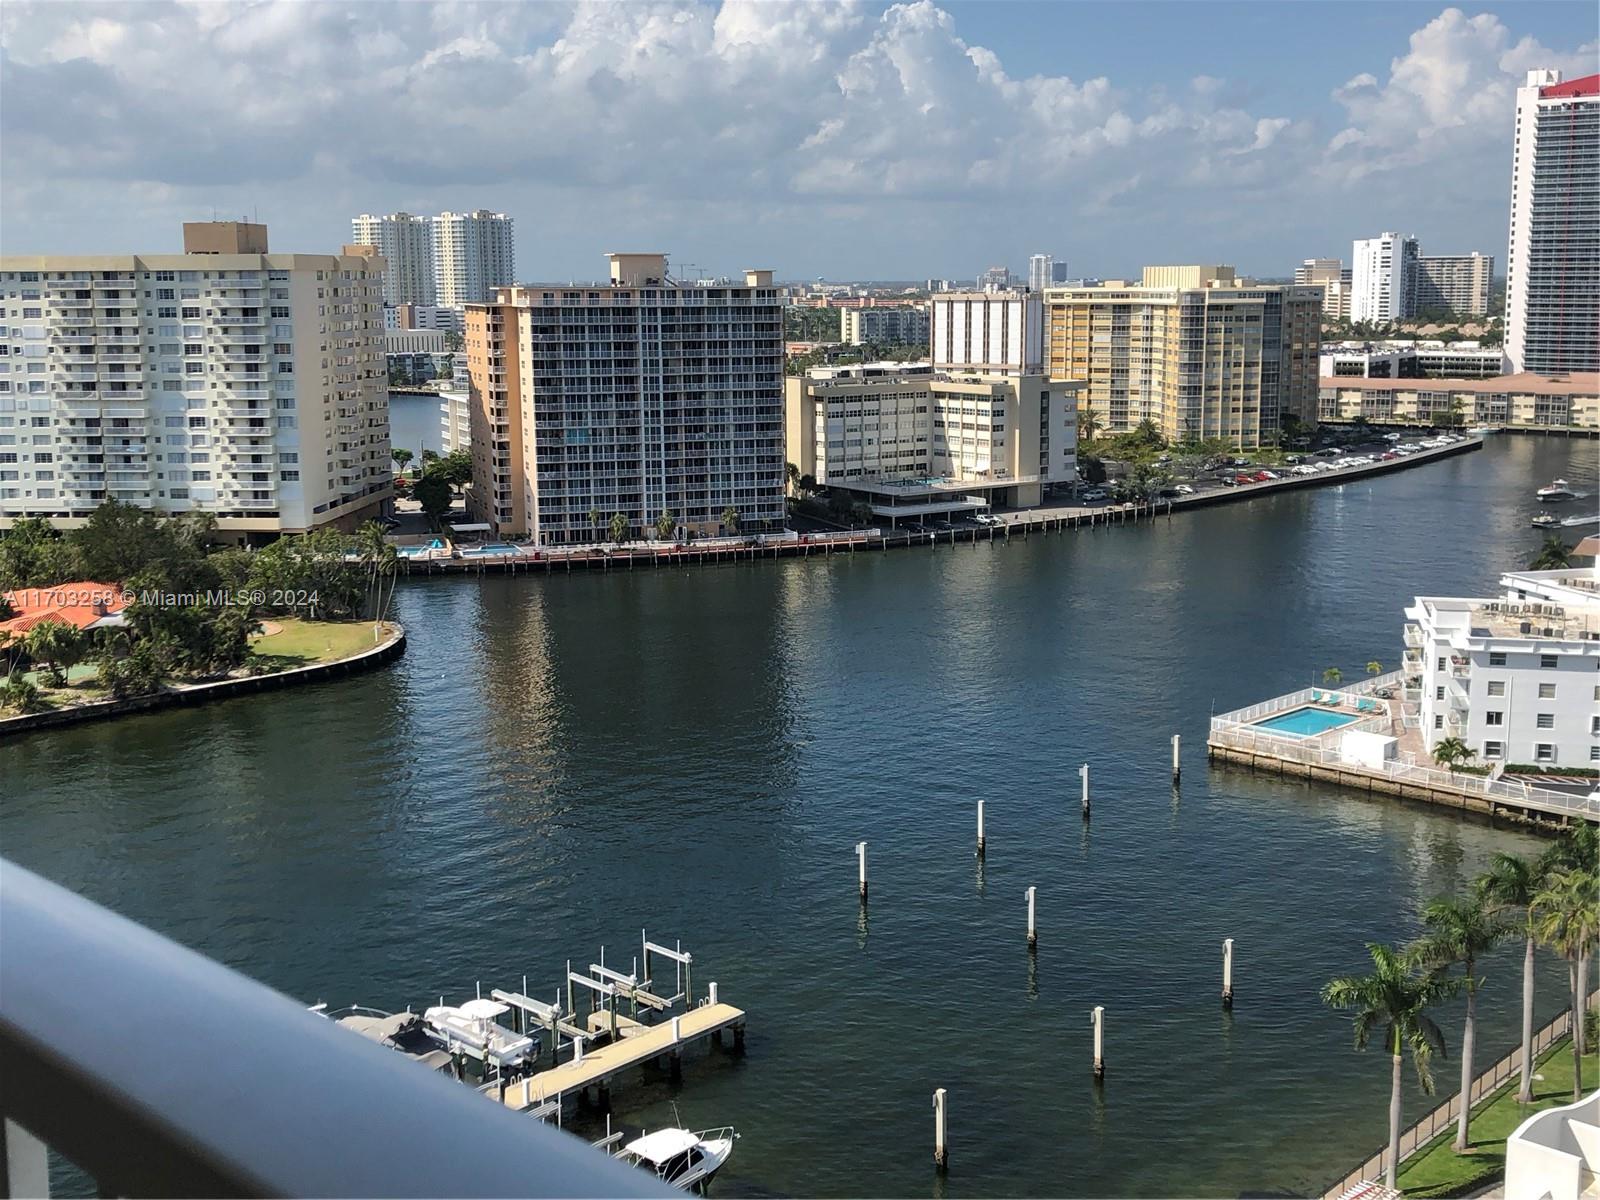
(224, 380)
(642, 396)
(898, 324)
(1225, 360)
(1041, 272)
(992, 331)
(1553, 265)
(405, 243)
(995, 279)
(1333, 277)
(473, 254)
(1383, 278)
(1458, 282)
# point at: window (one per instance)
(1438, 692)
(1497, 658)
(289, 476)
(1547, 662)
(1494, 718)
(1494, 749)
(1544, 752)
(1545, 721)
(1547, 691)
(1594, 753)
(1441, 662)
(1497, 687)
(1438, 721)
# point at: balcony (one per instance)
(1413, 636)
(214, 1113)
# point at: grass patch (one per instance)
(303, 643)
(1438, 1171)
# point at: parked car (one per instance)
(1391, 437)
(1243, 478)
(1229, 482)
(1094, 496)
(1388, 456)
(1324, 466)
(1183, 489)
(1330, 452)
(988, 519)
(1263, 476)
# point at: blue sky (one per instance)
(848, 140)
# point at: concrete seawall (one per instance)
(201, 693)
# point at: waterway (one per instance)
(558, 763)
(414, 422)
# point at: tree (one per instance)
(61, 645)
(1451, 752)
(861, 513)
(808, 484)
(33, 554)
(1509, 885)
(1332, 676)
(668, 521)
(1577, 849)
(401, 457)
(1091, 470)
(456, 468)
(1395, 999)
(380, 561)
(595, 517)
(18, 693)
(1460, 931)
(791, 475)
(434, 494)
(619, 528)
(730, 519)
(1374, 667)
(1565, 919)
(1553, 555)
(1089, 424)
(136, 673)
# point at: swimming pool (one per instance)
(1305, 722)
(493, 548)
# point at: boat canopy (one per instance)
(661, 1145)
(482, 1010)
(380, 1029)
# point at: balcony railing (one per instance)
(248, 1094)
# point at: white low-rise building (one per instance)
(455, 421)
(1517, 678)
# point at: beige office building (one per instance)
(225, 380)
(639, 396)
(1222, 360)
(1525, 401)
(1333, 277)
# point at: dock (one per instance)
(636, 1045)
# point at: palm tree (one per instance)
(381, 562)
(1461, 930)
(791, 474)
(595, 516)
(1395, 998)
(1374, 667)
(1510, 884)
(619, 528)
(1553, 555)
(1577, 849)
(1451, 752)
(57, 643)
(1088, 424)
(1332, 676)
(1564, 918)
(730, 519)
(668, 521)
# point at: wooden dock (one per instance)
(636, 1045)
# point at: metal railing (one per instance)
(1359, 687)
(1443, 1116)
(161, 1072)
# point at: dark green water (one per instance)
(557, 763)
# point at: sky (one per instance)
(847, 140)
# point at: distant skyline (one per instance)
(848, 140)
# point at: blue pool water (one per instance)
(1305, 722)
(492, 548)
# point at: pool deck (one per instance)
(1236, 738)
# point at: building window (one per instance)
(1438, 720)
(1497, 687)
(1494, 749)
(1545, 721)
(1497, 658)
(1544, 752)
(1547, 662)
(1494, 718)
(1438, 692)
(1547, 691)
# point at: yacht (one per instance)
(1557, 489)
(1546, 521)
(472, 1029)
(681, 1159)
(404, 1032)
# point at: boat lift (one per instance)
(685, 962)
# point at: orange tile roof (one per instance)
(82, 603)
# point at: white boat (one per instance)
(1557, 489)
(679, 1158)
(1545, 520)
(472, 1029)
(404, 1032)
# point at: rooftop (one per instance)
(1532, 620)
(1589, 85)
(83, 604)
(1578, 383)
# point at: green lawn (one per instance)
(1439, 1171)
(301, 643)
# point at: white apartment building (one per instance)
(425, 316)
(1041, 272)
(1553, 263)
(1461, 283)
(455, 421)
(1334, 278)
(1516, 678)
(992, 331)
(1383, 278)
(639, 396)
(414, 341)
(897, 324)
(405, 243)
(473, 254)
(914, 441)
(225, 379)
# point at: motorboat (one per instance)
(473, 1029)
(1545, 521)
(404, 1032)
(1557, 489)
(679, 1158)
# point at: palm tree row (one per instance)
(1549, 901)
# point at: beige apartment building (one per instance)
(639, 396)
(1209, 357)
(1525, 401)
(1333, 277)
(225, 380)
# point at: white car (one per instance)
(988, 519)
(1183, 489)
(1304, 469)
(1271, 474)
(1322, 466)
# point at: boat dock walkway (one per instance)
(636, 1045)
